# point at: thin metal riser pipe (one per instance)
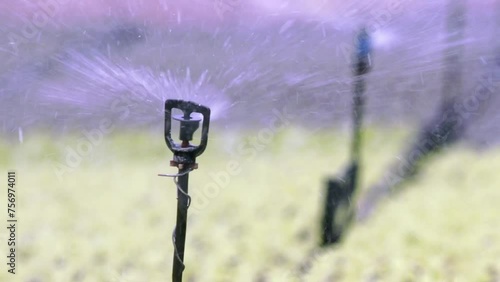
(180, 229)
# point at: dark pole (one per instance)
(340, 190)
(357, 117)
(362, 66)
(181, 225)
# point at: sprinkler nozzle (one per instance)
(189, 125)
(363, 53)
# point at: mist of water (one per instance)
(242, 64)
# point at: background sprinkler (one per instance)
(339, 190)
(445, 128)
(185, 160)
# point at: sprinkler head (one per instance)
(363, 62)
(186, 153)
(189, 125)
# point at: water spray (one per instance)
(185, 160)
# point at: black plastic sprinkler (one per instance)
(341, 189)
(185, 160)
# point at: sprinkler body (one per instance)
(185, 160)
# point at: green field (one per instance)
(111, 217)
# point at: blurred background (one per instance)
(82, 91)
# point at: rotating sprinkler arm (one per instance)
(185, 160)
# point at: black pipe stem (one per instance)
(181, 225)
